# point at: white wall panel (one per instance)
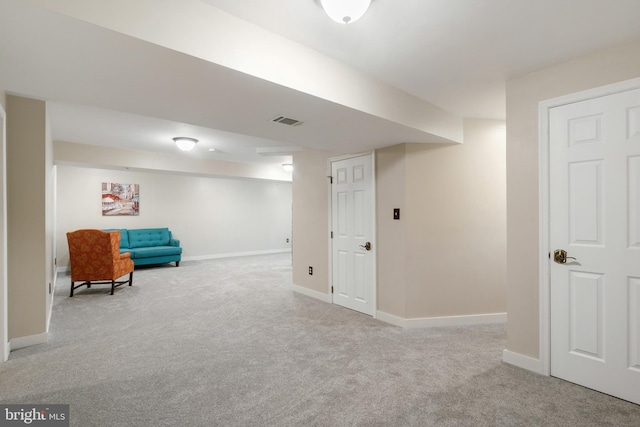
(634, 323)
(360, 266)
(210, 216)
(358, 173)
(358, 213)
(343, 270)
(341, 177)
(633, 190)
(585, 203)
(633, 122)
(343, 226)
(586, 314)
(585, 130)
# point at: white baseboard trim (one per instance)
(67, 269)
(311, 293)
(430, 322)
(22, 342)
(235, 254)
(522, 361)
(390, 318)
(473, 319)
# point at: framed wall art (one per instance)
(120, 199)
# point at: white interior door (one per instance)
(595, 217)
(353, 248)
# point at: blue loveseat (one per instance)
(150, 245)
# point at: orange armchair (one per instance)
(96, 259)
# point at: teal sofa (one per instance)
(150, 245)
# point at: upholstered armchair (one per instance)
(96, 259)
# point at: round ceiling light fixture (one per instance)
(184, 143)
(287, 166)
(345, 11)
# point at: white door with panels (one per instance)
(594, 162)
(352, 246)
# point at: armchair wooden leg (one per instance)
(177, 263)
(113, 286)
(72, 283)
(131, 278)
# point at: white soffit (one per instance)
(202, 31)
(277, 151)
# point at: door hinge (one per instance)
(332, 289)
(330, 179)
(332, 234)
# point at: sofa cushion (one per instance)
(148, 237)
(155, 251)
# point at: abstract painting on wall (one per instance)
(120, 199)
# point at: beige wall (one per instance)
(4, 330)
(446, 254)
(523, 95)
(311, 219)
(390, 234)
(456, 222)
(29, 234)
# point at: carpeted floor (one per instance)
(227, 343)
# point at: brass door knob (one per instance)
(560, 256)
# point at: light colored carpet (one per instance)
(227, 343)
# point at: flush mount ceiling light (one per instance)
(184, 143)
(345, 11)
(287, 166)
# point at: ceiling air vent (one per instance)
(286, 120)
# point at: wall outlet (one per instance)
(310, 271)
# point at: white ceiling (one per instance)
(456, 54)
(107, 88)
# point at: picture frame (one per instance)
(120, 199)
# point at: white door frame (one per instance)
(544, 204)
(374, 225)
(4, 316)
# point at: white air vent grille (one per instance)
(286, 120)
